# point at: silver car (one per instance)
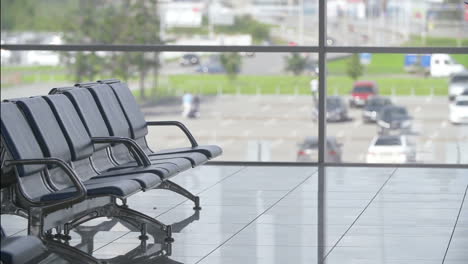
(458, 84)
(308, 150)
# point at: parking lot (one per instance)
(269, 127)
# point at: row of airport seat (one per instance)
(78, 154)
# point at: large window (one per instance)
(385, 84)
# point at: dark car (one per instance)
(362, 90)
(308, 150)
(337, 110)
(189, 60)
(393, 117)
(373, 107)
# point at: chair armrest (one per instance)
(140, 155)
(177, 124)
(68, 171)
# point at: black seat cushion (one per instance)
(22, 249)
(164, 171)
(211, 151)
(182, 163)
(114, 187)
(195, 159)
(146, 180)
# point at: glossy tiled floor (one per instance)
(269, 215)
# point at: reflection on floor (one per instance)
(269, 215)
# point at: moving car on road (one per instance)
(308, 150)
(373, 107)
(459, 110)
(362, 90)
(458, 84)
(393, 117)
(391, 149)
(189, 60)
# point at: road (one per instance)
(268, 128)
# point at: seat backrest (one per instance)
(130, 107)
(46, 127)
(50, 136)
(88, 111)
(19, 139)
(77, 136)
(21, 143)
(110, 109)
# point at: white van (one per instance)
(442, 65)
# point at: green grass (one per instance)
(380, 64)
(37, 68)
(418, 41)
(286, 84)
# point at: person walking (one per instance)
(187, 100)
(195, 112)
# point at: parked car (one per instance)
(247, 54)
(393, 117)
(211, 68)
(391, 149)
(189, 60)
(443, 65)
(308, 150)
(362, 90)
(337, 110)
(373, 107)
(458, 84)
(459, 110)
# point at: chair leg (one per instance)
(171, 186)
(144, 219)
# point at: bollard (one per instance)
(277, 90)
(412, 91)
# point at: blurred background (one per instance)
(384, 108)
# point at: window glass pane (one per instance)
(202, 22)
(398, 23)
(412, 110)
(261, 111)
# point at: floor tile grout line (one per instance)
(455, 225)
(365, 208)
(258, 216)
(206, 189)
(171, 208)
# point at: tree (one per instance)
(231, 63)
(296, 63)
(355, 68)
(122, 22)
